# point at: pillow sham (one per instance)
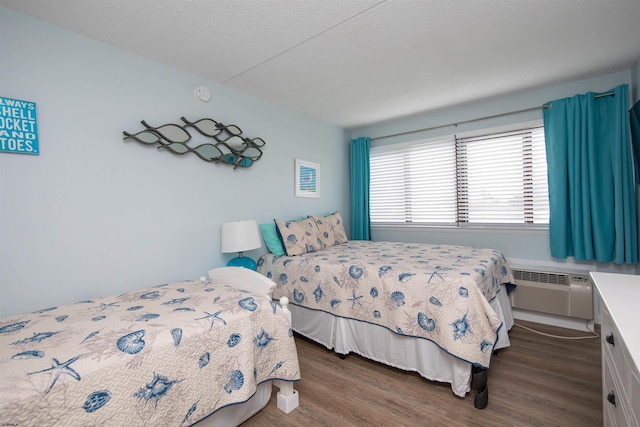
(272, 239)
(331, 229)
(299, 237)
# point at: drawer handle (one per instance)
(611, 397)
(609, 338)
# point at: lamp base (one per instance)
(243, 261)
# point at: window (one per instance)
(498, 178)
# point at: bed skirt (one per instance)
(380, 344)
(234, 415)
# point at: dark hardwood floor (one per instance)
(538, 381)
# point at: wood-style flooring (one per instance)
(538, 381)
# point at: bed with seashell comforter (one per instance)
(440, 310)
(169, 355)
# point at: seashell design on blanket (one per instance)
(150, 295)
(435, 301)
(29, 354)
(298, 296)
(234, 339)
(355, 271)
(96, 400)
(37, 337)
(132, 343)
(318, 292)
(156, 389)
(405, 277)
(425, 322)
(190, 412)
(91, 335)
(398, 298)
(262, 340)
(175, 301)
(44, 310)
(204, 360)
(383, 270)
(146, 317)
(236, 381)
(460, 327)
(176, 334)
(248, 304)
(13, 327)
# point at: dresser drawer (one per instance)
(634, 397)
(613, 400)
(613, 347)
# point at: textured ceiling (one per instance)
(357, 62)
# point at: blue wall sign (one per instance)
(18, 128)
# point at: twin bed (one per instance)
(207, 352)
(439, 310)
(203, 351)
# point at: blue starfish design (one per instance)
(213, 318)
(59, 369)
(435, 274)
(104, 306)
(355, 299)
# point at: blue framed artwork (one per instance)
(307, 179)
(18, 127)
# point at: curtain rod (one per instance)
(478, 119)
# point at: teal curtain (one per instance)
(592, 199)
(360, 224)
(634, 122)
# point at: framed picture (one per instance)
(307, 179)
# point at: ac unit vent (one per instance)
(554, 293)
(541, 277)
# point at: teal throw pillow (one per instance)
(272, 239)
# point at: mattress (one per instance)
(168, 355)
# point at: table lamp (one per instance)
(240, 236)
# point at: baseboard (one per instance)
(553, 320)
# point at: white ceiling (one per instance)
(358, 62)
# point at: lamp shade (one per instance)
(240, 236)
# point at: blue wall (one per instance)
(524, 248)
(93, 215)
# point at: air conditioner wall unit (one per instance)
(561, 294)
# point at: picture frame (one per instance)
(307, 179)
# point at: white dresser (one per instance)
(620, 335)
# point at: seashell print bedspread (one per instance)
(166, 356)
(437, 292)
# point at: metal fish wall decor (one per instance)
(229, 146)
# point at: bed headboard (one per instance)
(247, 279)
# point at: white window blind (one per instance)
(499, 178)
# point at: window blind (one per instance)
(497, 178)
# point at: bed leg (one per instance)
(288, 398)
(479, 383)
(284, 303)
